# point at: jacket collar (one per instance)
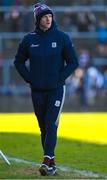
(40, 31)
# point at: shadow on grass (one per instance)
(69, 153)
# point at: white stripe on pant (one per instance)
(63, 98)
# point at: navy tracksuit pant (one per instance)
(47, 106)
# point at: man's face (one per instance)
(46, 21)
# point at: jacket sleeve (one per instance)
(70, 58)
(20, 59)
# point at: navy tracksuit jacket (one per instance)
(52, 59)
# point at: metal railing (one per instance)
(58, 9)
(20, 35)
(16, 35)
(9, 87)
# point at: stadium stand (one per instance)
(84, 21)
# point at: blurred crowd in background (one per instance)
(90, 79)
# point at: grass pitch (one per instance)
(82, 144)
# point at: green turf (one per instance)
(22, 171)
(70, 153)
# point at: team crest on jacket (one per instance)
(54, 44)
(57, 103)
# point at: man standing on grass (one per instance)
(52, 59)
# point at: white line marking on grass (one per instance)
(23, 161)
(85, 173)
(4, 157)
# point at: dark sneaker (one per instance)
(45, 170)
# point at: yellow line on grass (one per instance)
(91, 127)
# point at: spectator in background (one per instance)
(3, 15)
(82, 22)
(1, 19)
(71, 86)
(95, 82)
(69, 21)
(1, 59)
(91, 18)
(26, 16)
(84, 58)
(14, 19)
(86, 21)
(102, 38)
(105, 82)
(82, 75)
(102, 32)
(66, 22)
